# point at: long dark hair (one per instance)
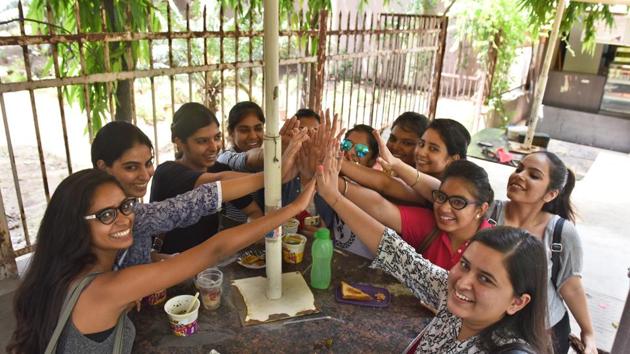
(189, 118)
(455, 136)
(63, 252)
(526, 264)
(242, 110)
(473, 174)
(561, 179)
(114, 138)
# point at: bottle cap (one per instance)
(322, 234)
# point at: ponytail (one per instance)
(562, 179)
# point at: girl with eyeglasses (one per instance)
(492, 301)
(539, 193)
(440, 234)
(88, 221)
(444, 141)
(125, 152)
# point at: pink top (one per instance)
(417, 223)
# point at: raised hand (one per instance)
(386, 158)
(287, 130)
(290, 155)
(328, 174)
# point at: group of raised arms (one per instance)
(413, 204)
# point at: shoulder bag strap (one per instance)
(66, 311)
(556, 249)
(427, 241)
(118, 336)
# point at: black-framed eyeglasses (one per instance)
(456, 202)
(361, 149)
(109, 215)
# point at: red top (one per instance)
(417, 223)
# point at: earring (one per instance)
(478, 216)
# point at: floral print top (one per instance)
(155, 218)
(428, 283)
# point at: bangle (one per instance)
(417, 179)
(345, 186)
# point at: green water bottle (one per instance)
(321, 252)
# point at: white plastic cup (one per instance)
(210, 282)
(293, 248)
(182, 324)
(290, 226)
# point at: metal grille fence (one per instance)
(367, 67)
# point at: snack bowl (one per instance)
(182, 323)
(293, 248)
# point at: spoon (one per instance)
(192, 303)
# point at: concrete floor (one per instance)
(602, 200)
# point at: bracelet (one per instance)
(417, 179)
(345, 186)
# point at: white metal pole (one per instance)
(544, 74)
(272, 147)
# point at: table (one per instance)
(353, 329)
(497, 138)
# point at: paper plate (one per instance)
(260, 253)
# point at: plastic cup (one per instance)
(182, 324)
(290, 226)
(209, 282)
(293, 248)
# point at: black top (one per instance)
(171, 179)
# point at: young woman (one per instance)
(124, 151)
(87, 222)
(360, 146)
(444, 141)
(195, 131)
(441, 235)
(246, 122)
(403, 138)
(494, 297)
(539, 193)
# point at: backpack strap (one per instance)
(556, 250)
(494, 216)
(427, 240)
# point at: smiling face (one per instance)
(358, 137)
(201, 148)
(116, 235)
(450, 220)
(431, 154)
(133, 169)
(402, 143)
(248, 133)
(530, 181)
(479, 288)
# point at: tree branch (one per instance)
(2, 23)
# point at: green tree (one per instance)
(541, 14)
(121, 15)
(142, 16)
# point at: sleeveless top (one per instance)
(72, 341)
